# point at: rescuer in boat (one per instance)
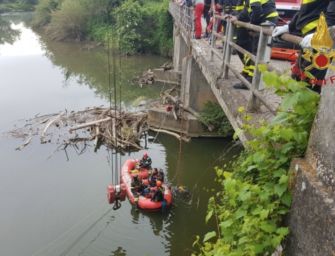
(146, 188)
(158, 195)
(153, 177)
(256, 12)
(304, 23)
(160, 175)
(136, 183)
(146, 161)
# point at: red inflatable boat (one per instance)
(128, 171)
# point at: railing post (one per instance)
(213, 38)
(263, 56)
(227, 48)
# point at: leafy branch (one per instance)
(255, 197)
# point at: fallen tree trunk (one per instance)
(170, 133)
(85, 125)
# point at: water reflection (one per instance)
(90, 68)
(8, 33)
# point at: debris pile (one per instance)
(104, 126)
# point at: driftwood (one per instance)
(146, 78)
(90, 124)
(103, 126)
(177, 105)
(170, 133)
(48, 125)
(167, 66)
(26, 143)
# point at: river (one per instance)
(54, 206)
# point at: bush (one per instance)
(42, 14)
(212, 115)
(129, 24)
(70, 21)
(255, 197)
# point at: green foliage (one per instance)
(140, 26)
(42, 15)
(144, 27)
(70, 21)
(16, 5)
(255, 195)
(129, 24)
(212, 115)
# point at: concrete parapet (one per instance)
(312, 215)
(321, 150)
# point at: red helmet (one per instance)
(145, 155)
(158, 183)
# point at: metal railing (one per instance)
(183, 15)
(263, 51)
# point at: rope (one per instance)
(120, 93)
(110, 102)
(67, 250)
(53, 242)
(115, 112)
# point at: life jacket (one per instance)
(306, 20)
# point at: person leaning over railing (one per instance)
(256, 12)
(206, 13)
(198, 12)
(304, 23)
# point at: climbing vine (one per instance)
(213, 116)
(255, 197)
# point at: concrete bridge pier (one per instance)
(181, 49)
(194, 92)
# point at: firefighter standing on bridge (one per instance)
(304, 23)
(256, 12)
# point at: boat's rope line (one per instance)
(106, 209)
(68, 249)
(120, 93)
(110, 152)
(116, 170)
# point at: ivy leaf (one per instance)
(226, 224)
(209, 235)
(243, 239)
(279, 173)
(280, 189)
(289, 102)
(244, 195)
(209, 215)
(268, 227)
(240, 213)
(283, 179)
(282, 231)
(286, 199)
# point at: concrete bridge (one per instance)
(207, 72)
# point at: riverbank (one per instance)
(134, 27)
